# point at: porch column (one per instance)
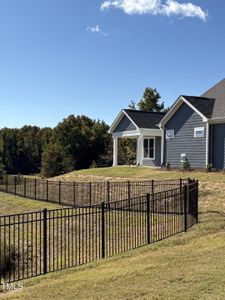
(115, 151)
(139, 150)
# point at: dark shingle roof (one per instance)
(145, 119)
(202, 104)
(218, 93)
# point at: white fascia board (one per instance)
(150, 132)
(175, 107)
(171, 112)
(118, 119)
(132, 133)
(131, 120)
(204, 119)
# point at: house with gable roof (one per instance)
(193, 129)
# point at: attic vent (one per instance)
(170, 134)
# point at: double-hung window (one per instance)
(149, 148)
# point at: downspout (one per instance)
(162, 145)
(207, 143)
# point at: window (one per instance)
(149, 148)
(198, 132)
(170, 134)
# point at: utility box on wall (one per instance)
(183, 157)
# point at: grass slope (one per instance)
(138, 173)
(10, 204)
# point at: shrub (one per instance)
(168, 167)
(93, 165)
(209, 167)
(9, 260)
(2, 171)
(186, 165)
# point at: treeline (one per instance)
(75, 143)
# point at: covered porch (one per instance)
(149, 149)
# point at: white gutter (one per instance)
(162, 144)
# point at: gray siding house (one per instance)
(193, 129)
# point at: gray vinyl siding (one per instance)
(218, 146)
(125, 125)
(157, 161)
(183, 122)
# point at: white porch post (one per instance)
(115, 151)
(139, 150)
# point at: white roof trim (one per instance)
(175, 107)
(118, 119)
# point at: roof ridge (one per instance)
(138, 110)
(200, 97)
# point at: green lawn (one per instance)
(10, 204)
(187, 266)
(139, 173)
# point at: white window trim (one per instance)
(172, 131)
(199, 129)
(148, 138)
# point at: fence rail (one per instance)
(84, 193)
(40, 242)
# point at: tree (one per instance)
(1, 163)
(83, 139)
(55, 161)
(132, 105)
(150, 101)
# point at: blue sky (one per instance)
(92, 57)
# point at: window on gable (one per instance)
(149, 148)
(170, 134)
(199, 132)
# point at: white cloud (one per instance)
(172, 7)
(96, 29)
(168, 8)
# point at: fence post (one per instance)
(45, 240)
(103, 230)
(196, 199)
(6, 183)
(24, 186)
(59, 191)
(15, 185)
(90, 191)
(185, 207)
(148, 218)
(128, 189)
(74, 193)
(108, 191)
(46, 190)
(181, 183)
(152, 186)
(35, 188)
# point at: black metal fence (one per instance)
(40, 242)
(84, 193)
